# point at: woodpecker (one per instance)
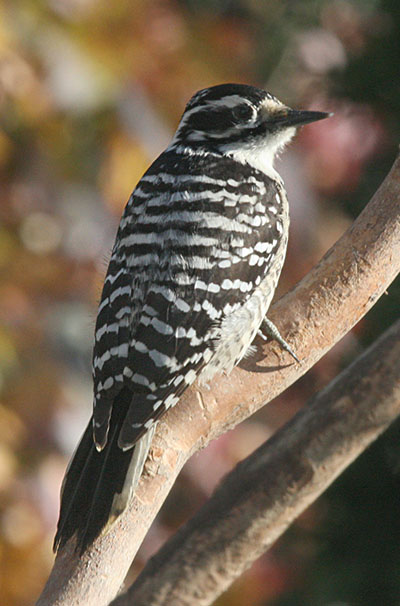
(193, 270)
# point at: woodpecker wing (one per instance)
(191, 249)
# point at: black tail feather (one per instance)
(92, 480)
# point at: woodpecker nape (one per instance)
(193, 270)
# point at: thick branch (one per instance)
(258, 500)
(323, 307)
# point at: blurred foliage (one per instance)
(90, 93)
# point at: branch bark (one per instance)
(322, 308)
(263, 495)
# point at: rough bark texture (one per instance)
(323, 307)
(258, 500)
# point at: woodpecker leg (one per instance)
(268, 329)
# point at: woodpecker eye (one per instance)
(243, 113)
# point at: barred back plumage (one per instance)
(193, 270)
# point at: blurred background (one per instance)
(90, 92)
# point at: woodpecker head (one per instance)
(233, 118)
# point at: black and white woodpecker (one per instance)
(193, 270)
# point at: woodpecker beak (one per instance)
(294, 117)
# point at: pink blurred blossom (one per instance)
(338, 148)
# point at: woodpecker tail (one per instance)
(97, 485)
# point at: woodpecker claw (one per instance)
(272, 332)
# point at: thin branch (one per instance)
(323, 307)
(261, 497)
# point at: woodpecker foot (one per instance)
(268, 329)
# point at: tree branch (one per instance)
(322, 308)
(257, 502)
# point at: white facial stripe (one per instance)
(228, 101)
